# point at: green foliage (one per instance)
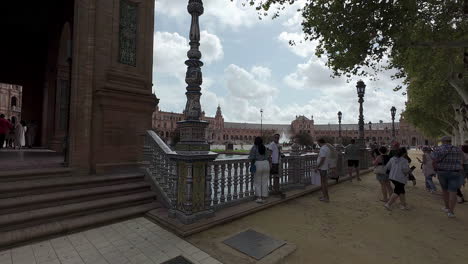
(357, 36)
(303, 139)
(420, 39)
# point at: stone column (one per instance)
(193, 151)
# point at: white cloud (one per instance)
(312, 75)
(243, 84)
(170, 52)
(222, 12)
(210, 47)
(301, 47)
(261, 72)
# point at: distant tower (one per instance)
(218, 112)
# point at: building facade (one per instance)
(10, 101)
(221, 132)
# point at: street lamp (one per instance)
(361, 89)
(393, 112)
(340, 115)
(261, 122)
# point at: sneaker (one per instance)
(387, 207)
(323, 199)
(405, 208)
(450, 215)
(461, 201)
(259, 201)
(446, 210)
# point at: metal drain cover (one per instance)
(178, 260)
(254, 244)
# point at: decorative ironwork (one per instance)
(128, 25)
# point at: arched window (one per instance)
(14, 101)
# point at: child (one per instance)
(428, 170)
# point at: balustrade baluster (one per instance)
(229, 182)
(223, 182)
(247, 178)
(241, 179)
(208, 186)
(216, 184)
(251, 178)
(235, 195)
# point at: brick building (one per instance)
(10, 101)
(221, 132)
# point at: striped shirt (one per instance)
(448, 158)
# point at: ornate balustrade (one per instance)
(161, 169)
(226, 182)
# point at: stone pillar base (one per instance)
(190, 219)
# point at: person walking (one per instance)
(428, 169)
(5, 127)
(260, 167)
(410, 174)
(399, 169)
(20, 130)
(276, 156)
(31, 134)
(323, 166)
(352, 154)
(448, 161)
(381, 173)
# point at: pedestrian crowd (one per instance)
(16, 135)
(392, 167)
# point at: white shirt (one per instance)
(274, 152)
(399, 169)
(324, 154)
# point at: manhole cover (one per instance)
(178, 260)
(254, 244)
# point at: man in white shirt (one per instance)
(275, 149)
(322, 166)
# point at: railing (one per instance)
(223, 183)
(161, 169)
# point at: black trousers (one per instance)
(2, 139)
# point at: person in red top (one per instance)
(5, 127)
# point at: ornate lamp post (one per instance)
(193, 151)
(393, 112)
(261, 122)
(340, 115)
(361, 89)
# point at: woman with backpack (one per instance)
(399, 170)
(260, 168)
(381, 173)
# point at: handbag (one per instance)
(380, 169)
(315, 178)
(253, 168)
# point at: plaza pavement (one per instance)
(135, 241)
(354, 228)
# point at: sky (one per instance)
(249, 65)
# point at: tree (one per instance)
(425, 41)
(303, 139)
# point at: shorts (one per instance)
(353, 163)
(381, 177)
(399, 187)
(450, 180)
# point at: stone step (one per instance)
(14, 220)
(37, 186)
(19, 175)
(60, 226)
(29, 202)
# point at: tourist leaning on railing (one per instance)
(259, 156)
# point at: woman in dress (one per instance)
(399, 170)
(381, 173)
(259, 160)
(20, 130)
